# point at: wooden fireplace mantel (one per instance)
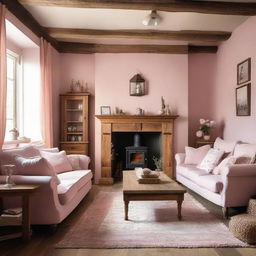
(135, 123)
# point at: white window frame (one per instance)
(17, 59)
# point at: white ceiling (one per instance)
(64, 17)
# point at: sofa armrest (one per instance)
(44, 203)
(239, 184)
(180, 158)
(84, 161)
(240, 170)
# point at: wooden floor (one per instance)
(43, 241)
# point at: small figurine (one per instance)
(167, 110)
(163, 106)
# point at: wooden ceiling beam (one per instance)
(202, 49)
(28, 20)
(199, 36)
(208, 7)
(83, 48)
(67, 47)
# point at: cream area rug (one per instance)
(150, 224)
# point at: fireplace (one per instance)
(112, 156)
(136, 155)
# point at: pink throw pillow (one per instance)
(223, 164)
(243, 160)
(36, 166)
(74, 161)
(196, 155)
(246, 150)
(58, 161)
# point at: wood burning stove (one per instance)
(136, 155)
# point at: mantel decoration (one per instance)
(244, 71)
(205, 128)
(165, 109)
(78, 86)
(137, 85)
(105, 110)
(243, 100)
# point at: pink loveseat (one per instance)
(52, 202)
(232, 188)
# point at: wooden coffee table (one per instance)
(168, 189)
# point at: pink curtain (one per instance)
(46, 92)
(3, 75)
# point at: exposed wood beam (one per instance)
(67, 47)
(202, 49)
(28, 20)
(202, 36)
(225, 8)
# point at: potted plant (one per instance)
(205, 128)
(158, 163)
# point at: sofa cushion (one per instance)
(210, 182)
(225, 145)
(245, 150)
(190, 171)
(58, 161)
(211, 160)
(71, 183)
(195, 155)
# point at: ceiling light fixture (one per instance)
(153, 19)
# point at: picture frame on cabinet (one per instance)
(244, 71)
(243, 100)
(105, 110)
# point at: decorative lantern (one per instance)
(137, 86)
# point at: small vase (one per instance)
(207, 137)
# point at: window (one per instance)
(11, 100)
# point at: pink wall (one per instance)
(201, 74)
(80, 67)
(166, 75)
(239, 47)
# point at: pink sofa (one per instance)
(232, 188)
(52, 202)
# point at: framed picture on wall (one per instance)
(244, 71)
(243, 100)
(105, 110)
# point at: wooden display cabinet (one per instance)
(74, 123)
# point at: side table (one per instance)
(200, 143)
(24, 191)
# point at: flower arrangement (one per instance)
(205, 127)
(157, 162)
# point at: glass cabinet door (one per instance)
(74, 117)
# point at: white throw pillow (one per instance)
(225, 145)
(34, 166)
(211, 159)
(226, 162)
(195, 155)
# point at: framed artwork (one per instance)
(244, 71)
(105, 110)
(243, 100)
